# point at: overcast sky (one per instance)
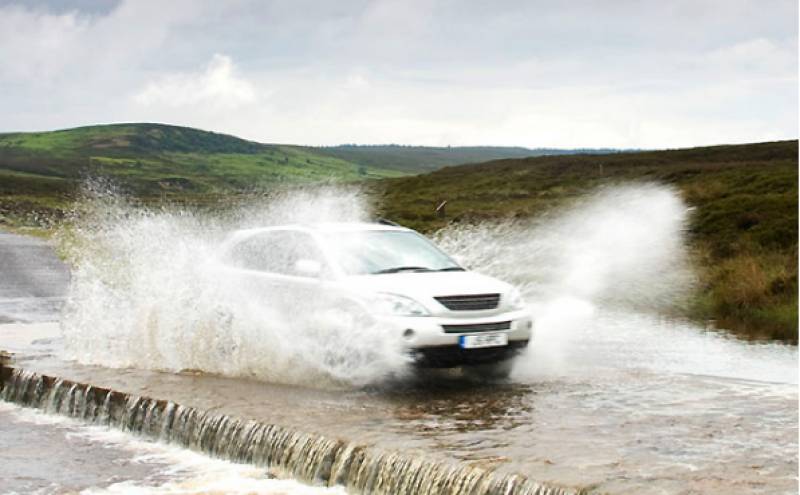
(642, 74)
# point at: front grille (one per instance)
(478, 327)
(470, 302)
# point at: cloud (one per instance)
(531, 73)
(37, 45)
(219, 86)
(760, 56)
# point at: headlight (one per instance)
(392, 304)
(515, 299)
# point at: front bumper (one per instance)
(430, 345)
(452, 355)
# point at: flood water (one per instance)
(47, 454)
(631, 426)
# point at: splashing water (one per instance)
(147, 292)
(622, 246)
(620, 249)
(605, 279)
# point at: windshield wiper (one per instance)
(452, 269)
(404, 269)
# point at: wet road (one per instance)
(618, 402)
(33, 281)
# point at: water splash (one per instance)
(147, 291)
(619, 250)
(620, 246)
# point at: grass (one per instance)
(421, 159)
(743, 230)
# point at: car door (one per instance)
(270, 265)
(307, 293)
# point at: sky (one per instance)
(584, 73)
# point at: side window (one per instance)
(303, 247)
(276, 252)
(262, 252)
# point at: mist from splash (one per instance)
(620, 246)
(620, 251)
(146, 291)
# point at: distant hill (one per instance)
(743, 230)
(151, 157)
(420, 159)
(148, 158)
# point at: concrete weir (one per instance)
(312, 458)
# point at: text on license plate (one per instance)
(483, 340)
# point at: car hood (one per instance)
(420, 285)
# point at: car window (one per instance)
(276, 252)
(381, 251)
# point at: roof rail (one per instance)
(384, 221)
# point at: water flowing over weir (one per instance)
(311, 458)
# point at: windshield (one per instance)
(387, 251)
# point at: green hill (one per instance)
(40, 172)
(743, 229)
(148, 158)
(420, 159)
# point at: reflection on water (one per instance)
(464, 407)
(471, 420)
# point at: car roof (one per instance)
(325, 227)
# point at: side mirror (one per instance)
(308, 268)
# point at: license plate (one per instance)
(483, 340)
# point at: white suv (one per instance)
(447, 316)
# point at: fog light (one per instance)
(408, 334)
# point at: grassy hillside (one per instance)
(152, 157)
(40, 172)
(743, 230)
(420, 159)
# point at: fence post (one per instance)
(441, 212)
